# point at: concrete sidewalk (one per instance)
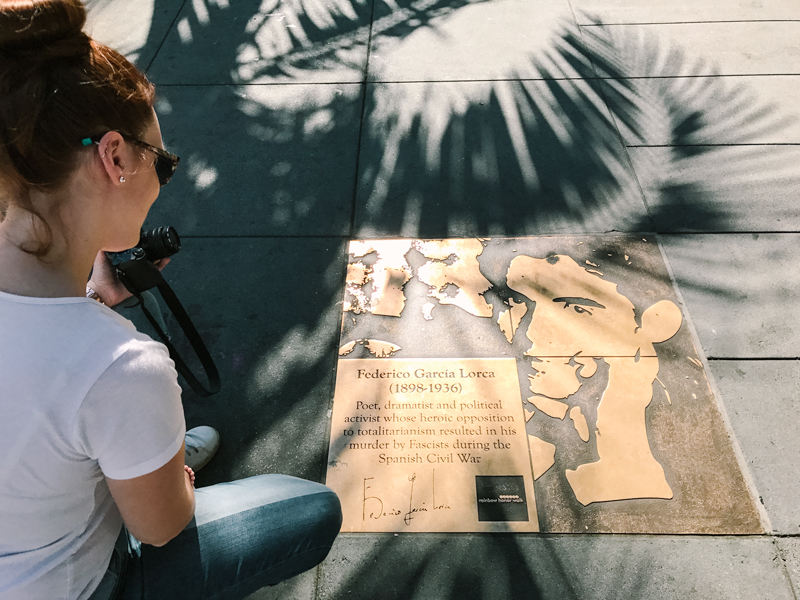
(302, 125)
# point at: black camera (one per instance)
(135, 267)
(137, 271)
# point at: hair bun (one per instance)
(42, 30)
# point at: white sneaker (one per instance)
(201, 445)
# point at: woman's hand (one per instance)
(105, 282)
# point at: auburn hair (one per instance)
(57, 87)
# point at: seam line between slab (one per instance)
(733, 232)
(752, 358)
(699, 76)
(690, 22)
(664, 232)
(784, 567)
(544, 234)
(317, 577)
(485, 80)
(498, 79)
(266, 236)
(260, 84)
(364, 81)
(620, 138)
(166, 35)
(744, 468)
(577, 78)
(562, 536)
(731, 144)
(574, 14)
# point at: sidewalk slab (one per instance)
(468, 159)
(790, 553)
(268, 311)
(740, 48)
(739, 290)
(458, 40)
(135, 29)
(256, 42)
(260, 160)
(759, 109)
(441, 567)
(720, 188)
(683, 11)
(762, 402)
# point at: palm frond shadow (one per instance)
(683, 133)
(534, 152)
(291, 40)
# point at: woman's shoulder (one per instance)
(135, 354)
(75, 336)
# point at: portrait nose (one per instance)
(548, 331)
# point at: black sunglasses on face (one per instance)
(165, 162)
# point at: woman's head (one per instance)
(57, 88)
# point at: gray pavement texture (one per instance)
(304, 124)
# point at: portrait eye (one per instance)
(579, 304)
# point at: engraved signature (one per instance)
(373, 506)
(411, 510)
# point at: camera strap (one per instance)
(191, 334)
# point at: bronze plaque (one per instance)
(532, 384)
(432, 445)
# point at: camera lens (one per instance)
(159, 243)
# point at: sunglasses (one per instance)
(165, 162)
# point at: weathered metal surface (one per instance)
(593, 327)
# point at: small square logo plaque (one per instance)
(501, 498)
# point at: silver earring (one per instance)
(121, 179)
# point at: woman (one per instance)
(92, 431)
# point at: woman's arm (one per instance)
(157, 506)
(107, 285)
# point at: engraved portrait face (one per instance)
(579, 317)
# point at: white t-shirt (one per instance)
(83, 395)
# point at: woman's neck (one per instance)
(62, 272)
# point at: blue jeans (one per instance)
(245, 535)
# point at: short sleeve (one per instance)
(131, 420)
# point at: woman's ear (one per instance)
(661, 321)
(110, 148)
